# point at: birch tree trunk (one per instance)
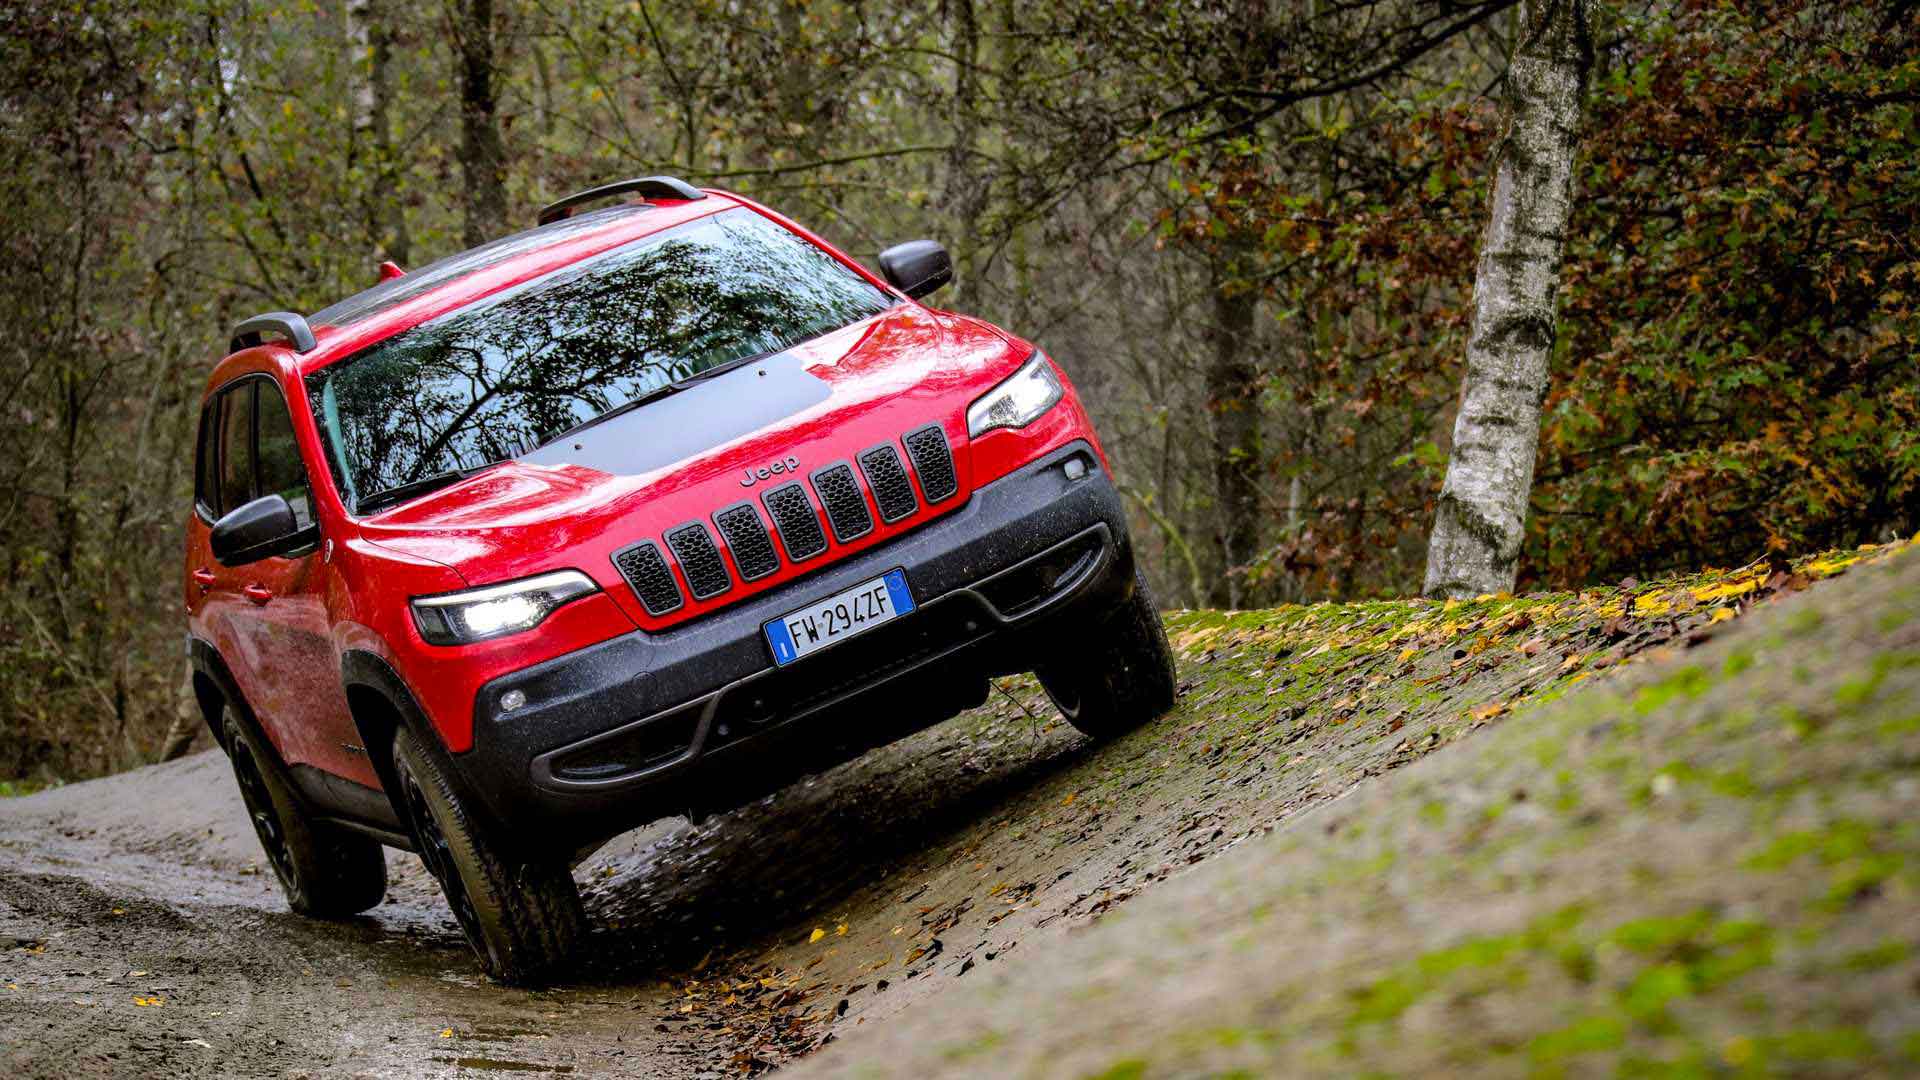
(1482, 519)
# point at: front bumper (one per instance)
(698, 718)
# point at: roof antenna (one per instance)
(390, 270)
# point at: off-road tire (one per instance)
(522, 918)
(1122, 677)
(327, 872)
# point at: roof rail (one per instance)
(285, 323)
(647, 187)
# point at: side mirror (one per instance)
(916, 267)
(258, 530)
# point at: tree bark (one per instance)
(372, 28)
(1231, 379)
(965, 195)
(1477, 534)
(483, 154)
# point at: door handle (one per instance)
(259, 594)
(203, 577)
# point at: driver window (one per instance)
(236, 447)
(281, 471)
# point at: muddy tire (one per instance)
(523, 919)
(1122, 678)
(327, 872)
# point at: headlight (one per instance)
(497, 610)
(1019, 400)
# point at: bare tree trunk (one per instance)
(1231, 393)
(1482, 518)
(966, 192)
(371, 29)
(483, 155)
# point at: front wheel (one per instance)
(522, 918)
(1121, 677)
(326, 871)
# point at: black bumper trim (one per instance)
(989, 620)
(715, 671)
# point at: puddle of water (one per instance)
(498, 1065)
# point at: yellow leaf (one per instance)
(1068, 801)
(1407, 654)
(840, 931)
(446, 1033)
(1718, 592)
(1721, 615)
(144, 1001)
(816, 936)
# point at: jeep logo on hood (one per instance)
(750, 477)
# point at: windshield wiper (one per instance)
(651, 396)
(402, 492)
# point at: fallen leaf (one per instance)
(143, 1001)
(816, 935)
(1721, 615)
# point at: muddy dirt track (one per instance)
(143, 934)
(148, 937)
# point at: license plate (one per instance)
(845, 614)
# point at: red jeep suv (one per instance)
(648, 510)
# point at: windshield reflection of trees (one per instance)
(493, 382)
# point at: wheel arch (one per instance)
(381, 704)
(214, 689)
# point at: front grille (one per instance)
(699, 560)
(799, 526)
(747, 538)
(846, 508)
(888, 479)
(933, 461)
(650, 578)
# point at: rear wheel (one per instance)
(326, 871)
(1121, 677)
(522, 918)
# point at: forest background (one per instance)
(1247, 228)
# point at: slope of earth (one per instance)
(1709, 865)
(146, 938)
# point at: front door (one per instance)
(279, 647)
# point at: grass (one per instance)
(1673, 841)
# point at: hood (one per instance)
(730, 440)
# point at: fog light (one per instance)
(512, 700)
(1075, 468)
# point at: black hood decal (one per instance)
(692, 421)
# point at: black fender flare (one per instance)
(214, 688)
(381, 702)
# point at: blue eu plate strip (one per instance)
(897, 591)
(782, 641)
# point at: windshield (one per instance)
(497, 379)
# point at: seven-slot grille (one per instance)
(699, 560)
(892, 491)
(846, 507)
(648, 572)
(933, 462)
(752, 548)
(799, 526)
